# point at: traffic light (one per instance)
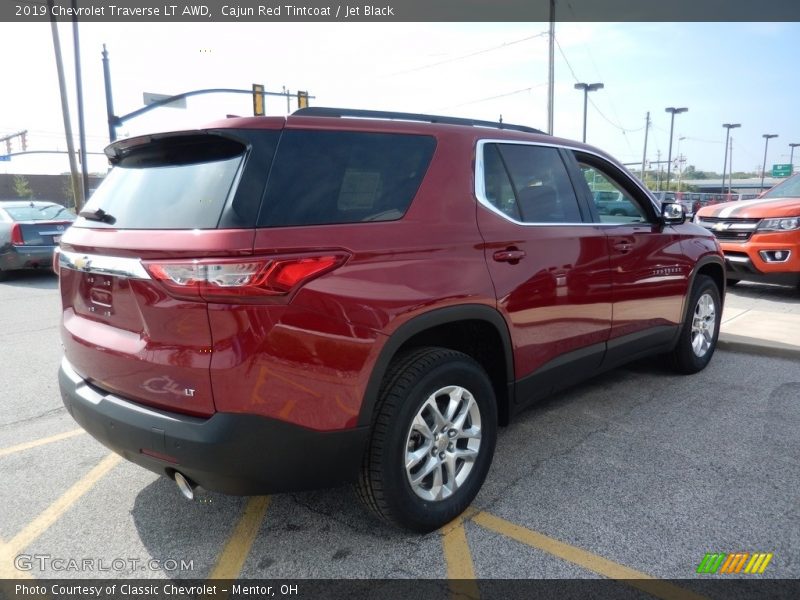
(302, 99)
(258, 100)
(24, 136)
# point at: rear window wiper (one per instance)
(98, 215)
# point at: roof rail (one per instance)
(320, 111)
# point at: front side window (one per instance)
(613, 203)
(529, 183)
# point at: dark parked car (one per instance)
(614, 204)
(274, 304)
(29, 232)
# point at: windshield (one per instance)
(48, 212)
(788, 189)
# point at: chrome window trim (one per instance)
(480, 184)
(116, 266)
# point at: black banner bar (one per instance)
(711, 587)
(265, 11)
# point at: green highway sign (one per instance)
(781, 170)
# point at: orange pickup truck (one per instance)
(761, 237)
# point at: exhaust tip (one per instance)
(185, 485)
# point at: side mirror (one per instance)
(672, 214)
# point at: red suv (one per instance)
(276, 304)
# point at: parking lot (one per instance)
(637, 474)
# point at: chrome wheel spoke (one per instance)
(430, 467)
(704, 324)
(443, 443)
(466, 454)
(415, 457)
(466, 408)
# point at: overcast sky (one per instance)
(723, 72)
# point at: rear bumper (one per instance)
(26, 257)
(231, 453)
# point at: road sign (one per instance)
(781, 170)
(149, 98)
(5, 158)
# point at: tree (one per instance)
(22, 187)
(67, 190)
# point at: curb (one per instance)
(750, 345)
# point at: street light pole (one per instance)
(551, 70)
(767, 137)
(791, 155)
(728, 127)
(673, 111)
(587, 87)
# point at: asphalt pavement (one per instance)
(637, 473)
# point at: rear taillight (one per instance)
(229, 280)
(16, 235)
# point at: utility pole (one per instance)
(73, 167)
(551, 73)
(730, 167)
(658, 176)
(644, 154)
(81, 125)
(112, 124)
(767, 137)
(728, 127)
(673, 111)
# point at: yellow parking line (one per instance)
(457, 556)
(237, 548)
(49, 516)
(40, 442)
(585, 559)
(7, 569)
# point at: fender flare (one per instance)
(702, 262)
(424, 322)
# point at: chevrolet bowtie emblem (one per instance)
(720, 226)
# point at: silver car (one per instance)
(30, 230)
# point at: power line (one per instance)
(600, 112)
(528, 89)
(471, 54)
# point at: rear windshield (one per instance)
(40, 213)
(325, 177)
(177, 183)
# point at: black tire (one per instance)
(697, 341)
(407, 392)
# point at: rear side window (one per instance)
(174, 183)
(326, 177)
(529, 183)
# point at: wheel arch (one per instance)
(477, 330)
(713, 266)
